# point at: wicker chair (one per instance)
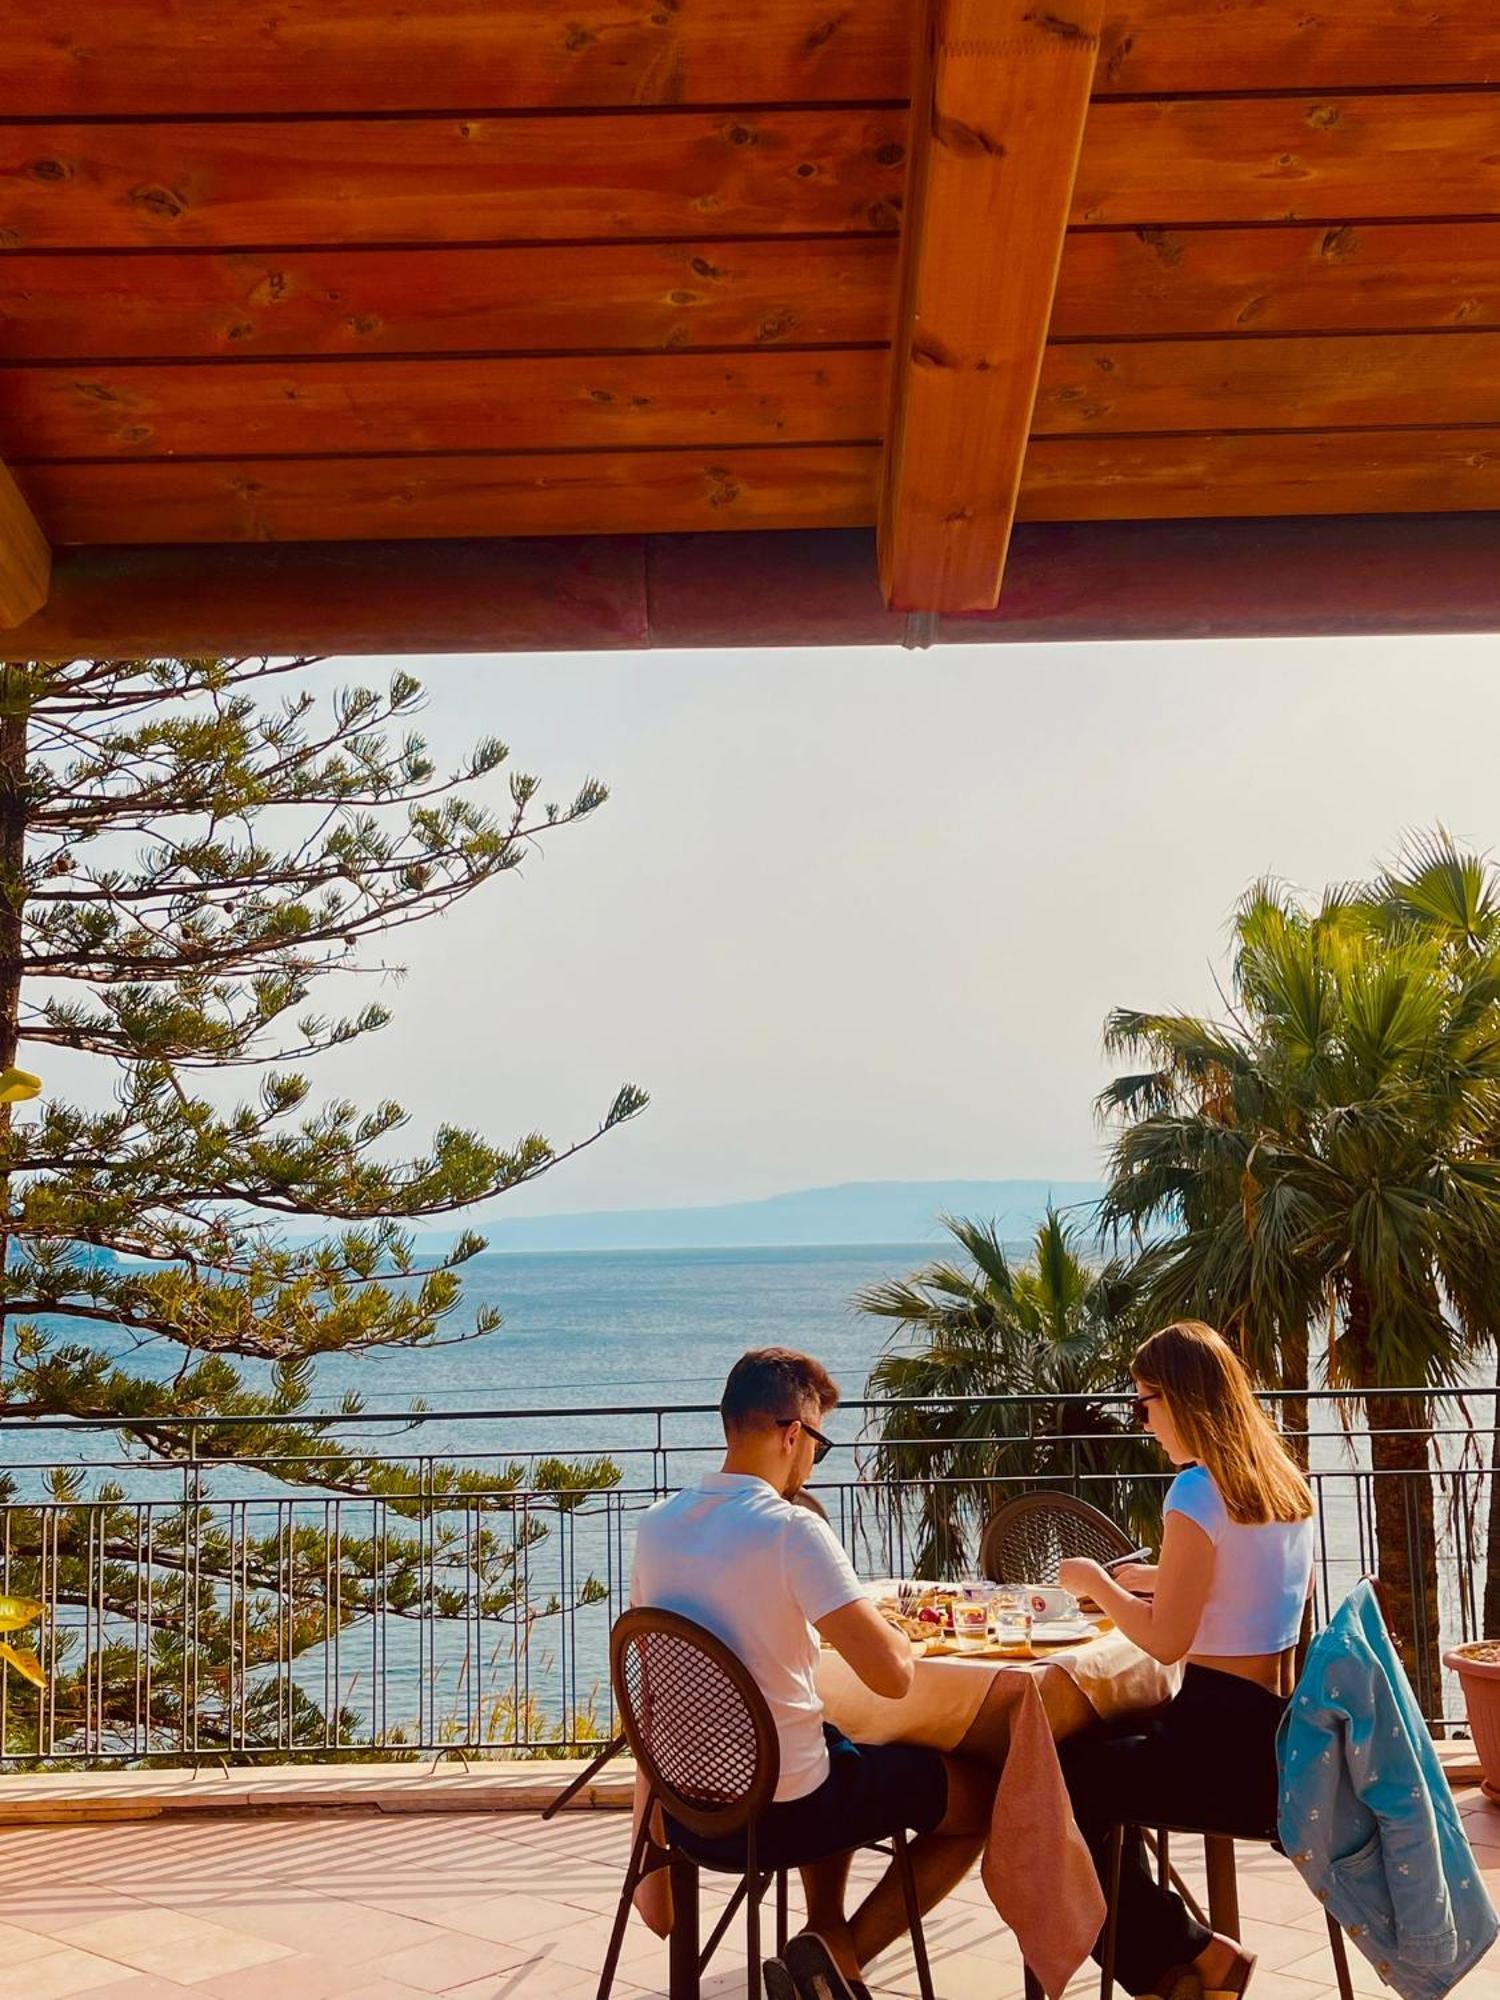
(1219, 1854)
(1028, 1538)
(706, 1745)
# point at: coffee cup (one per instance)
(1048, 1602)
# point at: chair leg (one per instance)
(611, 1749)
(684, 1980)
(633, 1872)
(755, 1886)
(782, 1918)
(1223, 1884)
(1168, 1877)
(726, 1917)
(1114, 1855)
(902, 1856)
(1340, 1960)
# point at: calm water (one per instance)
(606, 1328)
(591, 1329)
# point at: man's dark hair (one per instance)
(772, 1382)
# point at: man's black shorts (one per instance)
(871, 1790)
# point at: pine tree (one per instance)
(187, 849)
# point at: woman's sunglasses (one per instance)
(821, 1445)
(1140, 1408)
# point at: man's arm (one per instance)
(878, 1653)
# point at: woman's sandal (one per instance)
(1178, 1982)
(1237, 1979)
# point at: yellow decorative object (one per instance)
(18, 1611)
(25, 1662)
(17, 1085)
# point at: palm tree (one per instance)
(1455, 897)
(1325, 1159)
(1051, 1330)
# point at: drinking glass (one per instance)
(971, 1625)
(1012, 1617)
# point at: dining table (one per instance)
(1012, 1712)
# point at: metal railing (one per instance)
(457, 1593)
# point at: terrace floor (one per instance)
(286, 1903)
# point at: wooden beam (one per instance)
(526, 178)
(1101, 580)
(825, 291)
(25, 558)
(751, 292)
(1277, 472)
(144, 58)
(777, 172)
(1162, 46)
(999, 99)
(1291, 159)
(518, 493)
(156, 58)
(1293, 382)
(1349, 278)
(522, 403)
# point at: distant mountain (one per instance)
(856, 1212)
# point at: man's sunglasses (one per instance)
(821, 1445)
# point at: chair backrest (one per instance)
(695, 1719)
(809, 1501)
(1027, 1539)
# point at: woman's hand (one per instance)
(1138, 1578)
(1081, 1576)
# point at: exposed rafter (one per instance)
(1000, 94)
(25, 558)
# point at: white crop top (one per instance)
(1261, 1571)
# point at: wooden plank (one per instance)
(826, 290)
(80, 59)
(25, 558)
(1290, 159)
(1345, 472)
(1162, 46)
(1335, 575)
(1285, 382)
(831, 290)
(675, 174)
(532, 403)
(365, 499)
(451, 180)
(1372, 277)
(998, 109)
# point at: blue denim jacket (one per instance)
(1367, 1814)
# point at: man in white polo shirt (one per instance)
(770, 1579)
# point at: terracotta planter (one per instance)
(1478, 1668)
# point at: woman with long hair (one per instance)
(1227, 1596)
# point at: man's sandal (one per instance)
(814, 1973)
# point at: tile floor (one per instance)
(360, 1905)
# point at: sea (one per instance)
(593, 1346)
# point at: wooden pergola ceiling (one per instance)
(334, 272)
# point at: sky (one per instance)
(860, 914)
